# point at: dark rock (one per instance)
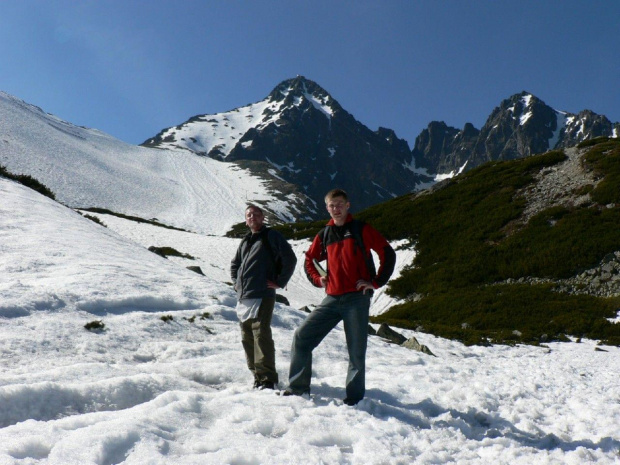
(282, 300)
(520, 126)
(158, 251)
(313, 143)
(388, 333)
(413, 344)
(196, 269)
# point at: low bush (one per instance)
(508, 313)
(463, 248)
(28, 181)
(96, 325)
(170, 252)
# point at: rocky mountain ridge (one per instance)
(300, 133)
(309, 140)
(299, 142)
(520, 126)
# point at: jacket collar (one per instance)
(348, 220)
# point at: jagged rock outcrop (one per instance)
(520, 126)
(395, 337)
(301, 135)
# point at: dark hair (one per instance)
(251, 205)
(336, 193)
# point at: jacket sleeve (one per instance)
(284, 252)
(235, 263)
(387, 257)
(315, 252)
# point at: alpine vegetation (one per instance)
(517, 251)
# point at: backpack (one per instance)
(355, 228)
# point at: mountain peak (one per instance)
(298, 85)
(293, 92)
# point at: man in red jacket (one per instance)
(350, 279)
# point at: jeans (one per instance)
(352, 309)
(258, 344)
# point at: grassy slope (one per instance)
(463, 250)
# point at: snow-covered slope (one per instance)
(87, 168)
(178, 392)
(219, 132)
(52, 258)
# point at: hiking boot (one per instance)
(267, 385)
(350, 402)
(289, 392)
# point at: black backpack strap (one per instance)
(356, 227)
(323, 235)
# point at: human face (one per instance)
(338, 209)
(254, 219)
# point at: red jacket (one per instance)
(345, 263)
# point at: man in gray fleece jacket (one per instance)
(263, 263)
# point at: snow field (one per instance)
(178, 392)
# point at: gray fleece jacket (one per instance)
(253, 264)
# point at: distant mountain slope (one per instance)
(283, 152)
(520, 126)
(304, 133)
(87, 168)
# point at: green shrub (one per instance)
(95, 220)
(468, 237)
(507, 313)
(28, 181)
(137, 219)
(604, 158)
(96, 325)
(170, 252)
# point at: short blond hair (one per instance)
(336, 193)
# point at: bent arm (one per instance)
(285, 252)
(387, 255)
(315, 252)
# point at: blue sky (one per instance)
(131, 68)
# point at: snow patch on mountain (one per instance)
(525, 116)
(573, 121)
(561, 122)
(220, 132)
(442, 176)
